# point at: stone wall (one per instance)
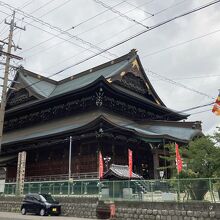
(78, 207)
(86, 207)
(167, 211)
(10, 204)
(83, 207)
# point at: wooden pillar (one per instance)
(156, 163)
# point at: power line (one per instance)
(140, 8)
(27, 3)
(22, 6)
(199, 112)
(166, 79)
(82, 22)
(58, 29)
(120, 13)
(81, 32)
(42, 42)
(196, 77)
(181, 43)
(60, 37)
(42, 6)
(159, 12)
(57, 7)
(53, 9)
(74, 37)
(68, 40)
(138, 34)
(137, 7)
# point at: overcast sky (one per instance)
(168, 50)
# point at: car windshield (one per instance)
(47, 198)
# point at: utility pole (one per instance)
(6, 73)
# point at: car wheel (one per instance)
(23, 211)
(42, 212)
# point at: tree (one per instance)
(201, 158)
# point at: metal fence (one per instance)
(142, 190)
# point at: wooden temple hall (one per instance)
(108, 108)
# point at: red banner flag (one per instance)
(101, 167)
(179, 162)
(130, 162)
(216, 107)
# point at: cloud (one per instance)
(200, 57)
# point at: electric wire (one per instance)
(22, 6)
(120, 13)
(58, 29)
(42, 42)
(138, 34)
(114, 35)
(111, 19)
(60, 37)
(89, 19)
(181, 43)
(77, 34)
(57, 7)
(42, 6)
(199, 112)
(53, 9)
(197, 77)
(166, 79)
(193, 77)
(74, 37)
(140, 8)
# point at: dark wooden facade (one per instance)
(109, 108)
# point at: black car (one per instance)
(42, 204)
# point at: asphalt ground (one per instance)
(18, 216)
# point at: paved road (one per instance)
(18, 216)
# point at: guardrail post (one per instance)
(40, 188)
(211, 190)
(151, 190)
(81, 191)
(29, 187)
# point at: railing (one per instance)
(183, 190)
(75, 176)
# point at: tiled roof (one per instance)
(178, 131)
(120, 172)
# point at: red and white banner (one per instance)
(130, 162)
(179, 162)
(101, 166)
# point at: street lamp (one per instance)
(107, 160)
(161, 173)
